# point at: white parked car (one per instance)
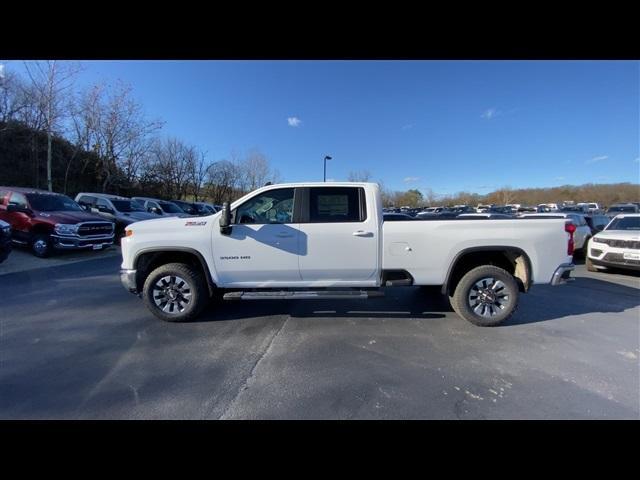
(329, 241)
(582, 234)
(618, 245)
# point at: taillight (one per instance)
(570, 228)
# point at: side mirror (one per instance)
(155, 210)
(225, 219)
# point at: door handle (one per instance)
(284, 235)
(362, 233)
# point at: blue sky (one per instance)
(445, 125)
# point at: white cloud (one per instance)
(489, 113)
(596, 159)
(411, 179)
(294, 121)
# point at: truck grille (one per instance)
(95, 228)
(633, 244)
(618, 258)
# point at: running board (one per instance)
(303, 295)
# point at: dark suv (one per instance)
(45, 221)
(5, 240)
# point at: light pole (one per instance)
(327, 157)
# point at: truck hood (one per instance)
(69, 217)
(136, 216)
(619, 235)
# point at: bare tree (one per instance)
(222, 181)
(359, 176)
(50, 81)
(122, 135)
(13, 99)
(198, 170)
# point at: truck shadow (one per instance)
(543, 303)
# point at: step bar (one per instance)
(303, 295)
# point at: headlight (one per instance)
(598, 240)
(66, 229)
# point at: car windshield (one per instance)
(127, 206)
(624, 223)
(629, 209)
(170, 207)
(52, 203)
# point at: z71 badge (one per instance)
(194, 224)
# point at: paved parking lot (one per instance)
(74, 344)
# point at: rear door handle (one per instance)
(362, 233)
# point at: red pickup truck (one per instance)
(47, 221)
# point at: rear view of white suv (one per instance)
(618, 245)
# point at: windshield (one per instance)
(629, 209)
(624, 223)
(169, 207)
(127, 206)
(52, 203)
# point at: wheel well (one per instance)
(513, 260)
(146, 262)
(41, 229)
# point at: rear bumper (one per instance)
(562, 274)
(128, 279)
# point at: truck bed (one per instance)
(426, 249)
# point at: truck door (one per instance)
(263, 246)
(340, 237)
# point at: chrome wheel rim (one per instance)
(489, 297)
(172, 294)
(40, 246)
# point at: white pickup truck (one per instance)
(329, 240)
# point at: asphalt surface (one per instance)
(75, 345)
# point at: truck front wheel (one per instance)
(486, 296)
(41, 245)
(175, 292)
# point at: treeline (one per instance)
(603, 194)
(100, 139)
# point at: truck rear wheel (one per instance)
(486, 296)
(175, 292)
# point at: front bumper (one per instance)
(128, 279)
(606, 256)
(62, 242)
(562, 274)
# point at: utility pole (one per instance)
(327, 157)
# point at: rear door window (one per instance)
(337, 205)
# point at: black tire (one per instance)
(582, 253)
(41, 245)
(186, 301)
(502, 301)
(590, 266)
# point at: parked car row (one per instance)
(46, 221)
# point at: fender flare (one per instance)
(462, 253)
(192, 251)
